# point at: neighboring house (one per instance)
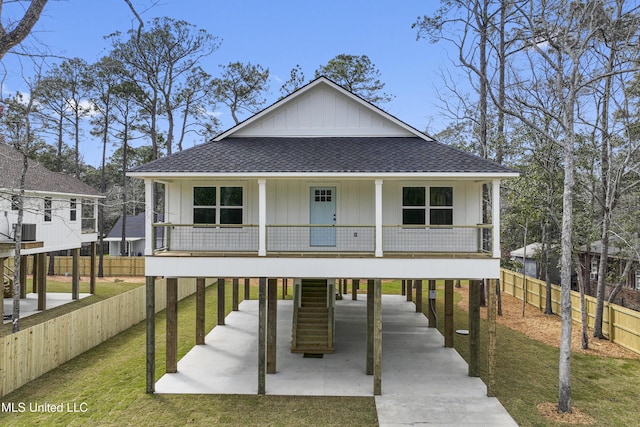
(134, 236)
(590, 257)
(59, 214)
(532, 263)
(322, 185)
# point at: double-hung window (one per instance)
(218, 205)
(417, 208)
(47, 209)
(73, 209)
(441, 205)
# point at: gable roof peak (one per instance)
(375, 111)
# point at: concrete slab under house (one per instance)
(318, 187)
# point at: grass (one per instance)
(110, 380)
(606, 389)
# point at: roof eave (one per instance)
(346, 175)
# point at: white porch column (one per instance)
(378, 217)
(148, 216)
(495, 215)
(262, 217)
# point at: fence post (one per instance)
(611, 323)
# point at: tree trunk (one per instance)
(524, 268)
(621, 282)
(123, 238)
(546, 250)
(584, 332)
(564, 366)
(17, 259)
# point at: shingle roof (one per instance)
(323, 154)
(38, 177)
(134, 226)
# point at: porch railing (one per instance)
(206, 238)
(323, 238)
(437, 238)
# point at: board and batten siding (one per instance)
(58, 234)
(288, 200)
(323, 112)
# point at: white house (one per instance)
(318, 186)
(60, 213)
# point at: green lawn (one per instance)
(110, 380)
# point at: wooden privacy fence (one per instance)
(621, 325)
(111, 265)
(34, 351)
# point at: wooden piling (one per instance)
(418, 296)
(262, 317)
(200, 310)
(491, 338)
(75, 274)
(172, 325)
(150, 303)
(474, 327)
(221, 311)
(431, 304)
(272, 324)
(377, 338)
(448, 313)
(370, 326)
(234, 296)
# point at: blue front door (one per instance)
(323, 212)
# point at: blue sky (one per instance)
(278, 34)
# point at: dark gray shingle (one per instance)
(38, 177)
(323, 154)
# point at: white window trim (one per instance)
(72, 208)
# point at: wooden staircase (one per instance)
(313, 318)
(7, 282)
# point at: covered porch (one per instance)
(368, 217)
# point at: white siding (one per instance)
(288, 200)
(323, 112)
(58, 234)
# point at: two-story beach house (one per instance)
(59, 214)
(318, 186)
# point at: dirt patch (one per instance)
(546, 328)
(549, 410)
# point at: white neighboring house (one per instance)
(60, 211)
(323, 185)
(134, 236)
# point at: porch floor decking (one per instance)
(422, 381)
(271, 254)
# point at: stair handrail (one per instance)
(331, 297)
(8, 274)
(297, 291)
